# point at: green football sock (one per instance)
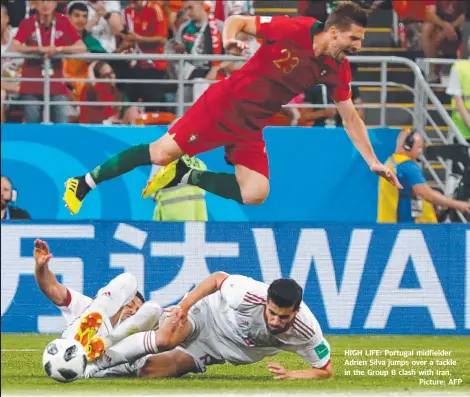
(219, 183)
(123, 162)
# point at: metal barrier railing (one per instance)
(421, 87)
(425, 63)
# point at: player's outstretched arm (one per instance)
(357, 132)
(315, 373)
(206, 287)
(46, 280)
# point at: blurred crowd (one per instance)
(123, 27)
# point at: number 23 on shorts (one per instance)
(287, 63)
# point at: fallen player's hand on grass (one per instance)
(42, 254)
(180, 316)
(278, 370)
(385, 172)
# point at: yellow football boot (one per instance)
(90, 323)
(75, 191)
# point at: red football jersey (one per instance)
(148, 21)
(283, 67)
(65, 35)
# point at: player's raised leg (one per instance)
(161, 152)
(109, 300)
(249, 185)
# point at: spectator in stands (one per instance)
(10, 67)
(172, 9)
(181, 18)
(459, 89)
(78, 68)
(46, 33)
(105, 22)
(173, 47)
(8, 196)
(202, 34)
(222, 9)
(369, 4)
(442, 31)
(412, 14)
(105, 92)
(146, 32)
(313, 8)
(16, 10)
(32, 6)
(413, 204)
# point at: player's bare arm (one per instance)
(176, 327)
(234, 25)
(206, 287)
(432, 196)
(281, 373)
(45, 279)
(357, 132)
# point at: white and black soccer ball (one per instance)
(64, 360)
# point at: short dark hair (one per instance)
(97, 68)
(345, 14)
(77, 6)
(285, 292)
(140, 296)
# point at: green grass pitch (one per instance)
(22, 372)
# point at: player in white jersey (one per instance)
(225, 318)
(117, 311)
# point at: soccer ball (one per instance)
(64, 360)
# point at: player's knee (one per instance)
(164, 340)
(255, 195)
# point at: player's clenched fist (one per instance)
(235, 47)
(42, 255)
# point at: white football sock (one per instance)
(145, 319)
(118, 293)
(128, 350)
(89, 181)
(185, 178)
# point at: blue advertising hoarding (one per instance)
(358, 279)
(316, 173)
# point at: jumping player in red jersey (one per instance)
(296, 54)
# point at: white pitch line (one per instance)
(19, 350)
